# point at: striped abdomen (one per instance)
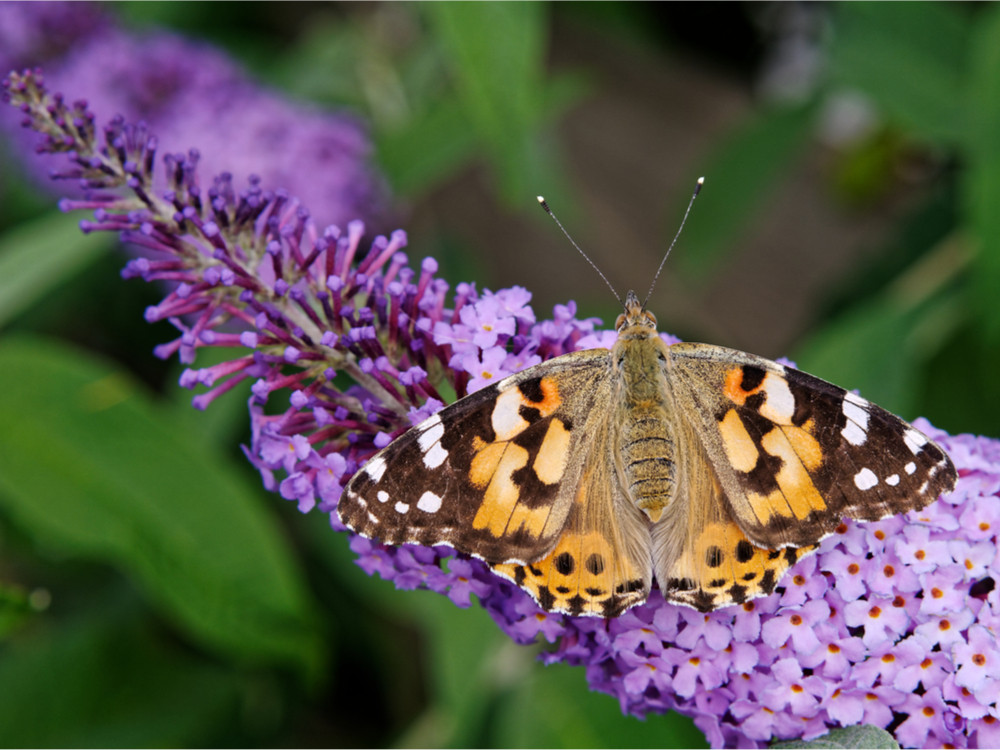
(647, 453)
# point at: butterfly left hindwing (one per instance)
(601, 564)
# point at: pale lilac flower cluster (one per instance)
(192, 93)
(891, 623)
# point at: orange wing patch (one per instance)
(494, 464)
(582, 575)
(722, 567)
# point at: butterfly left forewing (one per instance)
(794, 454)
(492, 475)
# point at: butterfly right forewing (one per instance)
(795, 454)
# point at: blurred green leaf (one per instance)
(882, 344)
(432, 146)
(15, 609)
(910, 58)
(470, 660)
(553, 707)
(103, 682)
(862, 349)
(865, 736)
(739, 176)
(496, 56)
(39, 255)
(981, 186)
(90, 466)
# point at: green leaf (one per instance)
(109, 683)
(470, 660)
(910, 59)
(37, 256)
(862, 349)
(89, 466)
(981, 186)
(738, 178)
(865, 736)
(15, 609)
(431, 146)
(496, 56)
(553, 707)
(882, 344)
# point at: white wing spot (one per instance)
(402, 507)
(375, 468)
(855, 409)
(910, 467)
(429, 502)
(506, 419)
(429, 440)
(431, 431)
(779, 405)
(372, 518)
(892, 480)
(435, 456)
(854, 434)
(914, 440)
(382, 496)
(865, 479)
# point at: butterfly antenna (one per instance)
(697, 189)
(593, 265)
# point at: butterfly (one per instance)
(587, 477)
(584, 478)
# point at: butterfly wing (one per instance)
(794, 454)
(701, 556)
(494, 474)
(602, 563)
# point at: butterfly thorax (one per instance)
(646, 441)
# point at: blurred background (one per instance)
(152, 593)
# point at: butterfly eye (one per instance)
(662, 357)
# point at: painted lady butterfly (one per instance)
(588, 476)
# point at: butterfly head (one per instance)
(635, 315)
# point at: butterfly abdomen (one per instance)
(646, 440)
(647, 451)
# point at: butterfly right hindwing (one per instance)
(702, 558)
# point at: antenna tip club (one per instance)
(543, 204)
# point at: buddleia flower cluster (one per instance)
(347, 344)
(194, 93)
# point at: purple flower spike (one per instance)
(891, 623)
